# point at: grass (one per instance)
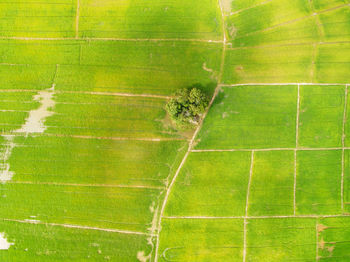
(157, 19)
(318, 182)
(52, 243)
(281, 239)
(201, 240)
(263, 117)
(93, 161)
(321, 116)
(271, 189)
(227, 174)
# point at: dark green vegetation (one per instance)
(97, 184)
(187, 106)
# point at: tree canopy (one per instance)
(187, 105)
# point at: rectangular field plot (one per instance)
(347, 180)
(328, 4)
(335, 24)
(109, 116)
(201, 240)
(26, 77)
(333, 63)
(36, 52)
(286, 64)
(321, 116)
(211, 184)
(94, 161)
(143, 67)
(54, 243)
(14, 109)
(271, 188)
(95, 206)
(197, 19)
(334, 239)
(318, 188)
(300, 32)
(251, 117)
(38, 19)
(287, 239)
(263, 17)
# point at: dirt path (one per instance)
(76, 226)
(192, 141)
(107, 39)
(85, 185)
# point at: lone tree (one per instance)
(187, 106)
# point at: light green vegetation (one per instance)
(251, 117)
(286, 64)
(271, 189)
(109, 116)
(95, 161)
(227, 173)
(347, 180)
(38, 19)
(25, 77)
(151, 19)
(142, 67)
(52, 243)
(333, 239)
(318, 182)
(321, 116)
(113, 66)
(263, 17)
(332, 63)
(328, 4)
(281, 41)
(14, 109)
(201, 240)
(96, 206)
(36, 52)
(281, 240)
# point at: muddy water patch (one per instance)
(33, 124)
(4, 244)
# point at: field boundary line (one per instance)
(115, 94)
(316, 230)
(286, 45)
(246, 207)
(295, 182)
(343, 150)
(256, 217)
(37, 222)
(84, 185)
(91, 93)
(284, 84)
(77, 17)
(269, 149)
(109, 39)
(295, 151)
(97, 137)
(191, 143)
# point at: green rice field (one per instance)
(92, 169)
